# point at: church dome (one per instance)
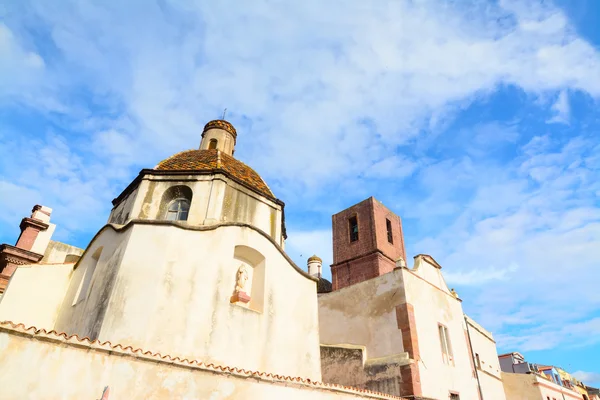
(216, 161)
(314, 258)
(323, 286)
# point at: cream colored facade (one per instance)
(215, 286)
(535, 387)
(167, 286)
(370, 314)
(216, 199)
(485, 358)
(74, 369)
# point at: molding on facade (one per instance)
(14, 255)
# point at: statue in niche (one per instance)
(240, 294)
(242, 278)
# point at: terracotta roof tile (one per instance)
(203, 160)
(193, 363)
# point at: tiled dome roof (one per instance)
(221, 124)
(214, 160)
(314, 258)
(323, 286)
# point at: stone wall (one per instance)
(42, 366)
(58, 253)
(347, 365)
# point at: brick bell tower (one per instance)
(367, 242)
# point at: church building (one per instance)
(187, 292)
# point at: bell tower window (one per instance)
(388, 225)
(178, 210)
(353, 225)
(213, 144)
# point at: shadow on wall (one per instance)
(72, 258)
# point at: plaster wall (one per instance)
(533, 387)
(123, 211)
(57, 252)
(34, 294)
(520, 387)
(489, 373)
(225, 141)
(434, 305)
(347, 365)
(168, 288)
(215, 199)
(86, 299)
(42, 239)
(65, 370)
(364, 314)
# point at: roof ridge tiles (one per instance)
(107, 345)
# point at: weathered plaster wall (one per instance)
(433, 305)
(489, 373)
(57, 252)
(123, 211)
(533, 387)
(42, 239)
(169, 288)
(54, 368)
(347, 365)
(225, 141)
(364, 314)
(215, 199)
(87, 298)
(520, 387)
(35, 293)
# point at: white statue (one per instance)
(242, 278)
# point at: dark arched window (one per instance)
(213, 144)
(175, 203)
(178, 210)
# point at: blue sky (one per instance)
(476, 121)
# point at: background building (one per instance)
(398, 330)
(524, 380)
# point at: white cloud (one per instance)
(587, 378)
(561, 109)
(323, 96)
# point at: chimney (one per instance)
(31, 245)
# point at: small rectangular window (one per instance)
(353, 224)
(388, 225)
(446, 347)
(477, 360)
(454, 396)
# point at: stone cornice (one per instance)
(214, 171)
(15, 255)
(36, 223)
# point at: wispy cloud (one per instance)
(561, 109)
(589, 378)
(333, 102)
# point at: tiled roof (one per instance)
(207, 160)
(323, 286)
(119, 349)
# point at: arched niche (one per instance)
(254, 262)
